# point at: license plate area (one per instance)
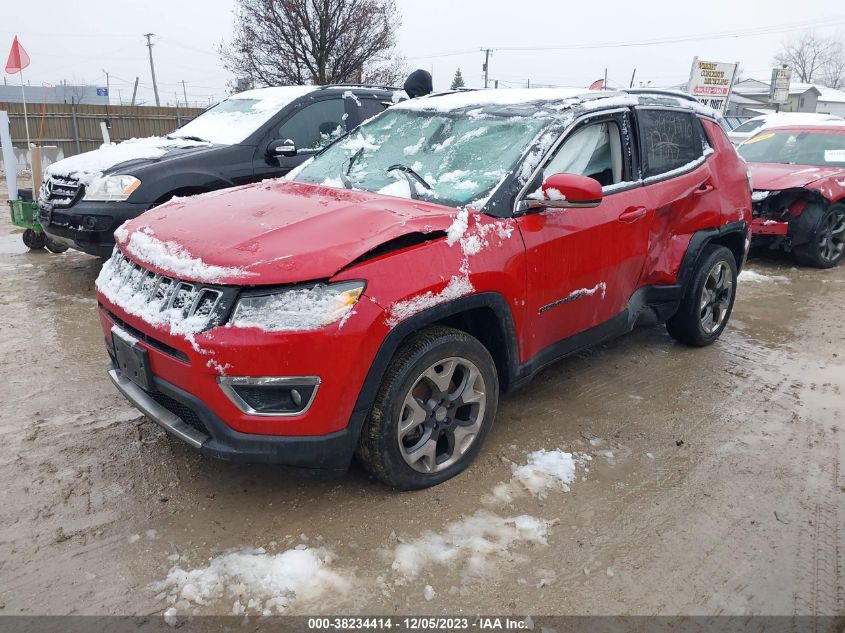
(132, 359)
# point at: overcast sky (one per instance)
(77, 41)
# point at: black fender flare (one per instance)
(700, 239)
(387, 350)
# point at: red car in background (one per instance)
(798, 176)
(443, 253)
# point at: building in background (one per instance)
(62, 93)
(751, 97)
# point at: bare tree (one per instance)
(833, 73)
(814, 58)
(390, 71)
(285, 42)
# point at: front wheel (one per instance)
(433, 410)
(827, 244)
(708, 300)
(34, 241)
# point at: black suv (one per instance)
(252, 135)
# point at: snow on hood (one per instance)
(89, 166)
(276, 232)
(775, 176)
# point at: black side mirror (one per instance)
(285, 147)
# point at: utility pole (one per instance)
(134, 91)
(184, 93)
(486, 66)
(152, 67)
(108, 86)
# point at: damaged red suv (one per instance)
(798, 175)
(379, 301)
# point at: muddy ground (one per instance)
(715, 486)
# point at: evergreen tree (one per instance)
(458, 81)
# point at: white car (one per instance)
(748, 129)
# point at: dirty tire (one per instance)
(34, 241)
(827, 245)
(55, 247)
(705, 296)
(463, 364)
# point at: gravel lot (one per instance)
(715, 483)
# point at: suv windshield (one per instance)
(446, 157)
(232, 121)
(795, 148)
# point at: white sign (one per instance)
(779, 90)
(712, 82)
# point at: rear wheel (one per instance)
(433, 410)
(827, 245)
(33, 240)
(708, 300)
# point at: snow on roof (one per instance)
(278, 95)
(500, 97)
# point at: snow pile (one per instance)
(89, 166)
(472, 541)
(458, 227)
(401, 310)
(260, 583)
(755, 277)
(759, 196)
(544, 472)
(172, 257)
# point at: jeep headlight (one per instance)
(110, 188)
(298, 308)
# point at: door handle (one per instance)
(632, 214)
(705, 188)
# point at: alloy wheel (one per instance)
(716, 297)
(832, 236)
(441, 415)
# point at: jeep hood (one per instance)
(276, 232)
(122, 157)
(776, 176)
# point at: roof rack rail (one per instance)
(355, 85)
(661, 91)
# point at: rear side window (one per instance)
(669, 138)
(749, 126)
(370, 107)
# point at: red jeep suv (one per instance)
(378, 301)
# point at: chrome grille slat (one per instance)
(61, 192)
(165, 293)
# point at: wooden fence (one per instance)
(76, 128)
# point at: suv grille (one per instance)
(181, 300)
(60, 192)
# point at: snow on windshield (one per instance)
(231, 121)
(450, 159)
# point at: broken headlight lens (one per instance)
(298, 308)
(111, 188)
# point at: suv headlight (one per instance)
(110, 188)
(299, 308)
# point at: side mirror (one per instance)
(284, 147)
(561, 191)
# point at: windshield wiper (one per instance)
(409, 174)
(344, 176)
(199, 139)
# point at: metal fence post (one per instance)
(75, 127)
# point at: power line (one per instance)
(782, 28)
